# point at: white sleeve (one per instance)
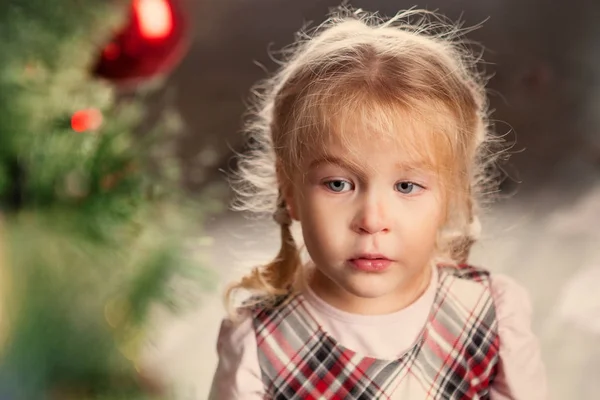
(521, 373)
(238, 375)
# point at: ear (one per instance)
(286, 187)
(291, 203)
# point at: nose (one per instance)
(371, 217)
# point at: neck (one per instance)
(338, 297)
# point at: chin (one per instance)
(369, 288)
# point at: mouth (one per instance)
(370, 262)
(370, 256)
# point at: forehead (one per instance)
(384, 134)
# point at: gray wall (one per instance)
(543, 54)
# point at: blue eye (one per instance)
(407, 187)
(339, 185)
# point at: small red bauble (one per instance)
(86, 120)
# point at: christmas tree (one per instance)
(92, 220)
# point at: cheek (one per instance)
(318, 218)
(313, 206)
(426, 219)
(320, 240)
(322, 224)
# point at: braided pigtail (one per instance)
(277, 277)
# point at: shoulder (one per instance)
(265, 302)
(513, 308)
(266, 309)
(464, 292)
(502, 286)
(513, 312)
(511, 298)
(522, 371)
(236, 335)
(238, 374)
(470, 284)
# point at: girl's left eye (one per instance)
(408, 187)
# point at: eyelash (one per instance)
(327, 183)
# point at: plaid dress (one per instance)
(455, 356)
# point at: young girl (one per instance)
(373, 137)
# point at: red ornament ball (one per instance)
(86, 120)
(155, 18)
(152, 43)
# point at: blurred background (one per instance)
(544, 61)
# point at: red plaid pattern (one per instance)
(455, 357)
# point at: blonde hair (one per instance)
(357, 64)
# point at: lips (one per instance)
(370, 262)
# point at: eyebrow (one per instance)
(336, 161)
(412, 167)
(329, 160)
